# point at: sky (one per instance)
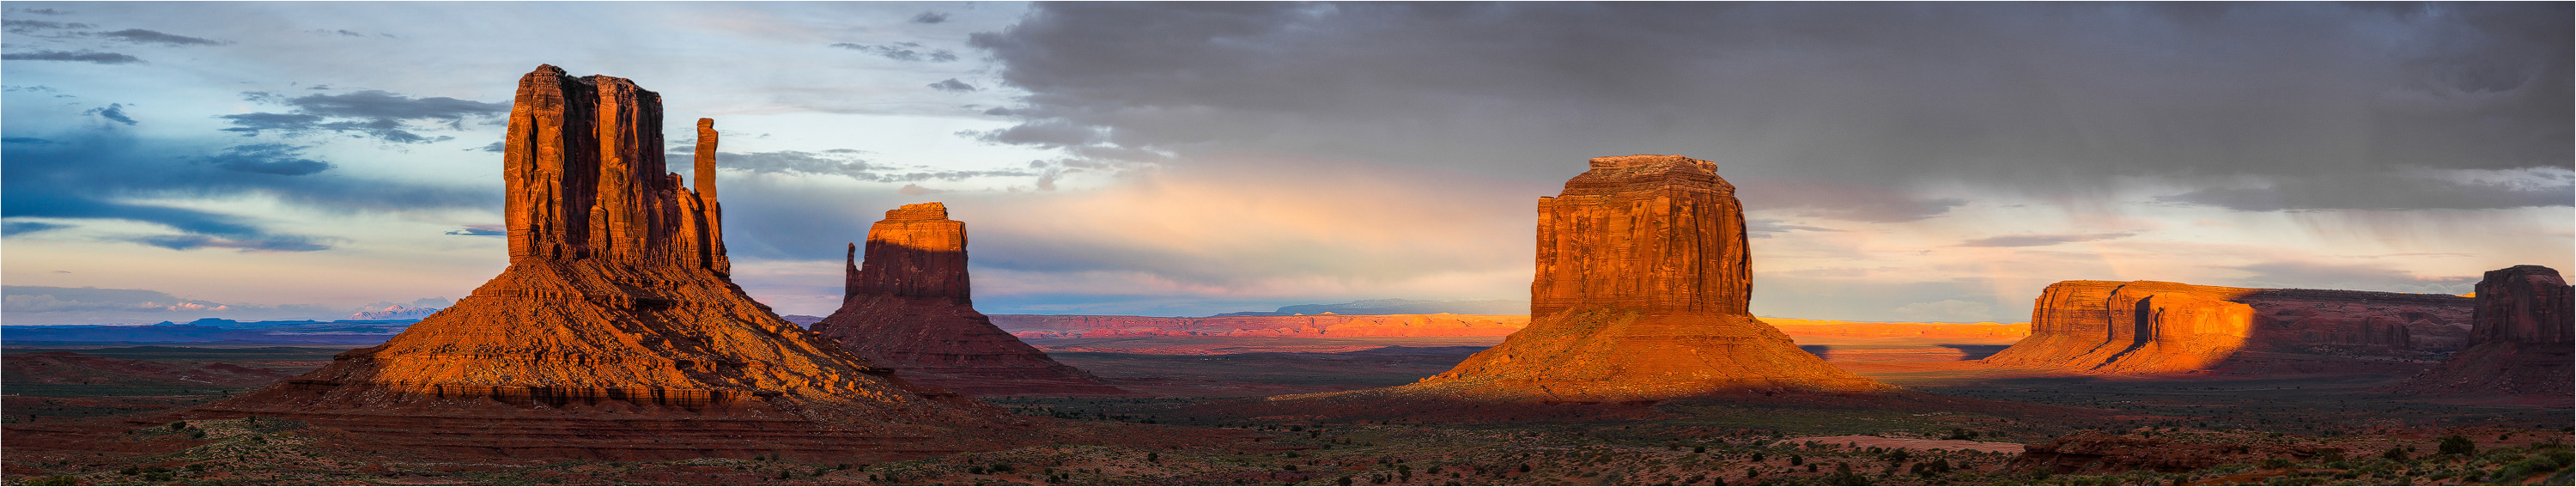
(1898, 161)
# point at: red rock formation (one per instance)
(1300, 326)
(909, 307)
(2521, 340)
(2151, 327)
(615, 331)
(1640, 292)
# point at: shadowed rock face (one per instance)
(2522, 342)
(2147, 327)
(1640, 292)
(615, 331)
(909, 308)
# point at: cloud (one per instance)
(489, 230)
(63, 305)
(952, 85)
(930, 18)
(113, 111)
(2329, 275)
(14, 228)
(25, 140)
(1764, 227)
(382, 115)
(43, 11)
(111, 175)
(838, 162)
(1893, 100)
(2467, 190)
(901, 51)
(2042, 240)
(32, 27)
(84, 55)
(141, 36)
(278, 159)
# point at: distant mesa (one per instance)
(2153, 327)
(2520, 341)
(909, 307)
(1398, 307)
(395, 312)
(1294, 326)
(1642, 282)
(615, 332)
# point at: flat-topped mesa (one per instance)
(1661, 235)
(1639, 293)
(2154, 327)
(2520, 342)
(615, 332)
(909, 306)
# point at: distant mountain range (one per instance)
(1400, 307)
(210, 331)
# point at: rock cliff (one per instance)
(1640, 293)
(909, 307)
(2520, 340)
(2152, 327)
(615, 332)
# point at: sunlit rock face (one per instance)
(2521, 338)
(908, 307)
(2152, 327)
(1640, 292)
(615, 332)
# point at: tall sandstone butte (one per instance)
(2154, 327)
(1640, 293)
(616, 332)
(2521, 340)
(910, 307)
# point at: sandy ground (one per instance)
(1911, 443)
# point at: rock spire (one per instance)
(909, 306)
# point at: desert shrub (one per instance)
(2276, 463)
(178, 425)
(975, 469)
(1794, 460)
(2536, 464)
(2394, 454)
(1843, 475)
(2458, 445)
(56, 479)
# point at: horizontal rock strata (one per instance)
(2152, 327)
(910, 307)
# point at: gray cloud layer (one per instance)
(384, 116)
(2032, 96)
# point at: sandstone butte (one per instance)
(2152, 327)
(2520, 341)
(1296, 326)
(1640, 294)
(909, 307)
(616, 331)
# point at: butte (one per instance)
(909, 307)
(2522, 339)
(616, 332)
(1640, 294)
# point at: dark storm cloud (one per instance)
(100, 174)
(2389, 192)
(2060, 98)
(141, 36)
(952, 85)
(930, 18)
(2042, 240)
(901, 51)
(381, 115)
(113, 112)
(84, 55)
(2318, 275)
(837, 162)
